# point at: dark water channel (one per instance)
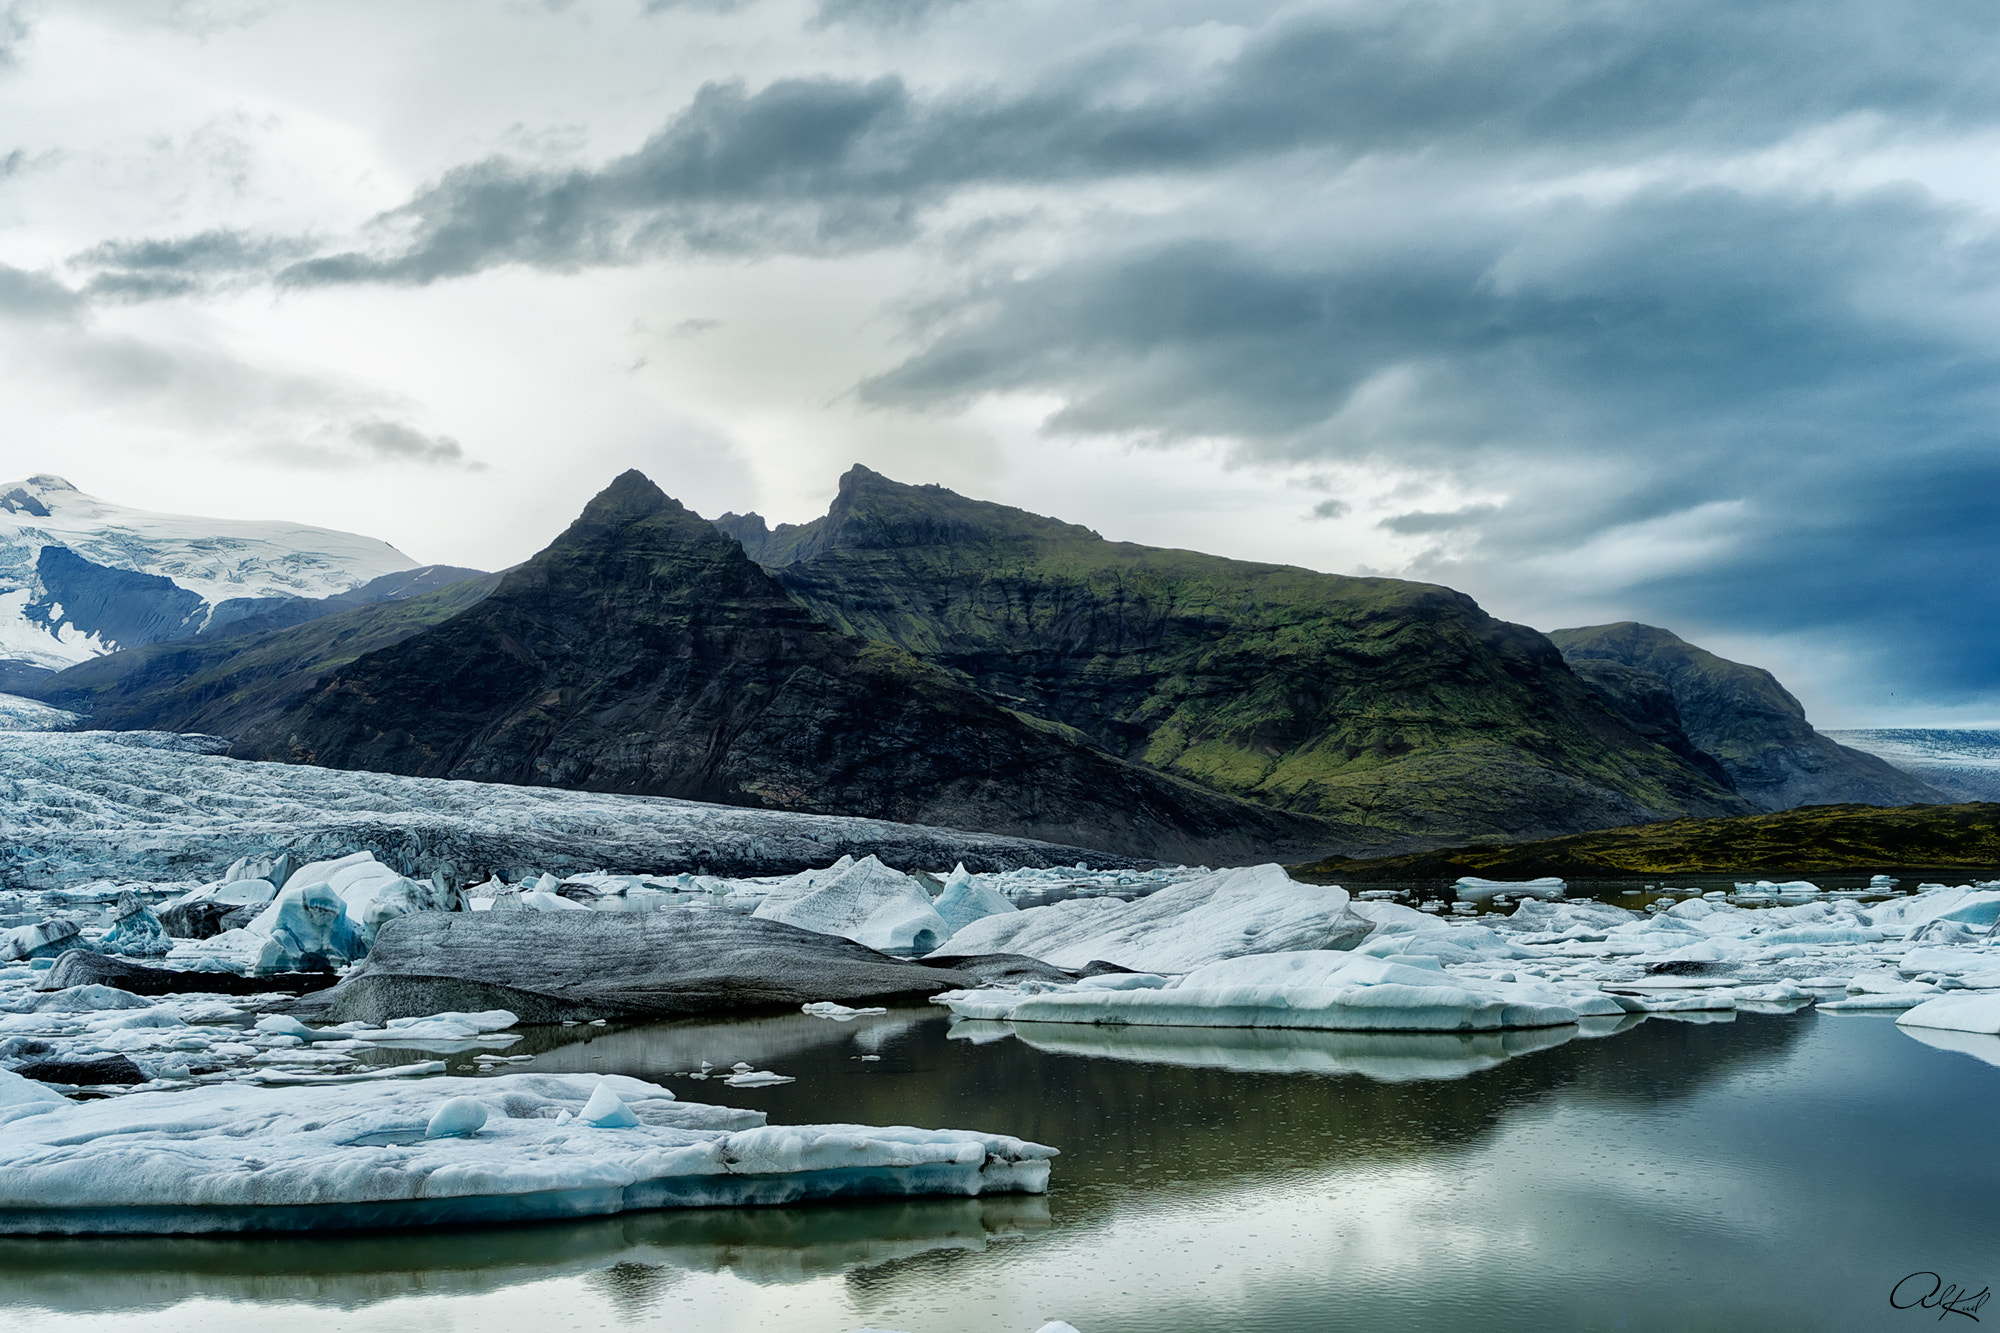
(1766, 1173)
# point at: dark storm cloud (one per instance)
(151, 269)
(1823, 363)
(825, 165)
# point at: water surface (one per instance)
(1763, 1173)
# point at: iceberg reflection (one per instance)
(766, 1246)
(1386, 1057)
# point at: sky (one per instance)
(1681, 311)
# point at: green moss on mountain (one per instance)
(1398, 706)
(1821, 839)
(1752, 726)
(644, 652)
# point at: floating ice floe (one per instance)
(1472, 889)
(840, 1013)
(1317, 989)
(548, 1146)
(1258, 909)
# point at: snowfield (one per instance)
(216, 559)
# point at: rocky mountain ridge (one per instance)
(1738, 715)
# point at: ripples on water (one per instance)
(1765, 1173)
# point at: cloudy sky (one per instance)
(1683, 311)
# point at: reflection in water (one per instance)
(1981, 1046)
(1775, 1172)
(1389, 1057)
(761, 1245)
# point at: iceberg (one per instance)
(1385, 1057)
(135, 931)
(1978, 1013)
(339, 1156)
(1473, 889)
(1318, 989)
(1225, 914)
(866, 902)
(964, 901)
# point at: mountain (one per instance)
(1398, 706)
(1957, 840)
(1740, 715)
(243, 678)
(81, 577)
(644, 652)
(1963, 764)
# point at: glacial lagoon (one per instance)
(1762, 1172)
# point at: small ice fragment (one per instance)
(455, 1118)
(840, 1013)
(606, 1111)
(564, 1118)
(742, 1068)
(762, 1078)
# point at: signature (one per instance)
(1928, 1291)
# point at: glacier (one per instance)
(154, 806)
(207, 561)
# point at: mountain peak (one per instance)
(631, 494)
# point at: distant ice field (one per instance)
(1964, 764)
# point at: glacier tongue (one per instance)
(153, 806)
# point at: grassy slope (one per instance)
(241, 682)
(1823, 839)
(1392, 704)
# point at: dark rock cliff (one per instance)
(1400, 706)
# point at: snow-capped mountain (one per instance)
(80, 576)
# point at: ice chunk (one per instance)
(45, 939)
(1257, 909)
(306, 927)
(311, 1156)
(1957, 1013)
(868, 903)
(1386, 1057)
(1472, 889)
(136, 932)
(606, 1111)
(459, 1116)
(86, 1000)
(1321, 989)
(839, 1012)
(964, 901)
(757, 1078)
(20, 1097)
